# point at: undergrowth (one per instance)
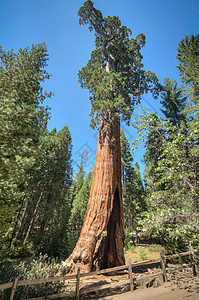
(32, 268)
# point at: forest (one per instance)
(44, 201)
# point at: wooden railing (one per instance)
(131, 280)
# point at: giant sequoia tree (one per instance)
(116, 80)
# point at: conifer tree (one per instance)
(173, 102)
(116, 80)
(48, 231)
(79, 178)
(41, 221)
(188, 57)
(23, 121)
(171, 181)
(127, 159)
(79, 206)
(154, 147)
(133, 190)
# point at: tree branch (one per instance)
(136, 94)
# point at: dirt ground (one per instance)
(184, 286)
(168, 291)
(181, 283)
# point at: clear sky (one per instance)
(27, 22)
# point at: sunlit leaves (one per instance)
(171, 180)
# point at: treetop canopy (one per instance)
(114, 74)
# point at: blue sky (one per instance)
(27, 22)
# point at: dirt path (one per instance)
(160, 293)
(175, 290)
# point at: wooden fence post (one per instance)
(77, 284)
(163, 267)
(131, 276)
(193, 260)
(13, 288)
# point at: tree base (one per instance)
(101, 241)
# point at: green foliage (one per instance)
(172, 190)
(55, 169)
(79, 205)
(188, 57)
(133, 190)
(172, 157)
(22, 119)
(114, 74)
(23, 122)
(36, 167)
(47, 207)
(128, 244)
(33, 268)
(173, 102)
(78, 181)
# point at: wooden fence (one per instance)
(131, 278)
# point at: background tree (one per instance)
(49, 228)
(188, 57)
(172, 196)
(116, 80)
(154, 137)
(23, 121)
(79, 178)
(79, 206)
(35, 166)
(132, 189)
(42, 219)
(173, 102)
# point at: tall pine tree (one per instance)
(23, 121)
(173, 102)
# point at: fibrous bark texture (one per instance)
(101, 241)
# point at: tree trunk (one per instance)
(33, 218)
(17, 222)
(101, 241)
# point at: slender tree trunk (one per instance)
(19, 232)
(17, 222)
(32, 219)
(101, 241)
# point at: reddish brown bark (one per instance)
(101, 241)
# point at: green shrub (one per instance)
(32, 268)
